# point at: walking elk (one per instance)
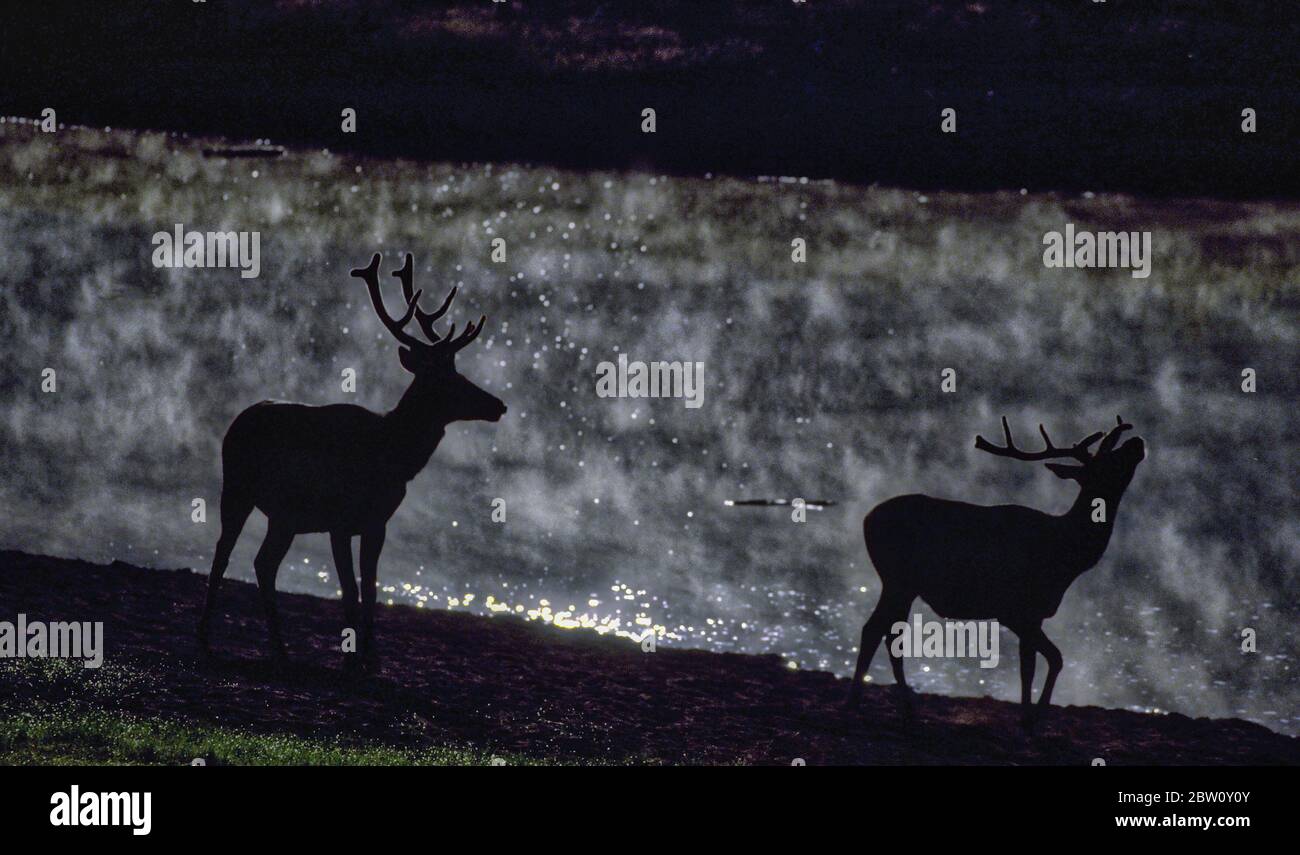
(1008, 562)
(341, 468)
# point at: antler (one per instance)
(454, 343)
(450, 342)
(370, 275)
(425, 319)
(1079, 451)
(1113, 437)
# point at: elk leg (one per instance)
(234, 513)
(1054, 663)
(341, 544)
(903, 690)
(1028, 661)
(886, 613)
(372, 543)
(896, 662)
(267, 563)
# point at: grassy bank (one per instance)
(56, 736)
(460, 689)
(59, 713)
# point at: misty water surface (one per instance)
(822, 381)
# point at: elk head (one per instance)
(433, 362)
(1107, 472)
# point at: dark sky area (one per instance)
(1059, 95)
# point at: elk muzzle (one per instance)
(478, 405)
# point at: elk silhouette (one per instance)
(341, 468)
(1008, 562)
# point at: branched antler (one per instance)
(447, 344)
(423, 318)
(454, 343)
(1113, 437)
(1079, 451)
(370, 275)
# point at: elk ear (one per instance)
(407, 358)
(1060, 470)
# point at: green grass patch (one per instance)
(58, 737)
(56, 713)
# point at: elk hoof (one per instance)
(1028, 721)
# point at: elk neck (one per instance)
(1085, 539)
(416, 425)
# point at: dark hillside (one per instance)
(501, 684)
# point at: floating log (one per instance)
(816, 504)
(245, 151)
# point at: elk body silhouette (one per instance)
(341, 468)
(1008, 562)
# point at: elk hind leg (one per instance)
(891, 608)
(234, 513)
(905, 693)
(267, 564)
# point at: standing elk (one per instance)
(341, 468)
(1008, 562)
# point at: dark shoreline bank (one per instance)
(502, 684)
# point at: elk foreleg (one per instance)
(341, 544)
(1054, 663)
(1028, 662)
(372, 543)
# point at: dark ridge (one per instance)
(1062, 95)
(503, 684)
